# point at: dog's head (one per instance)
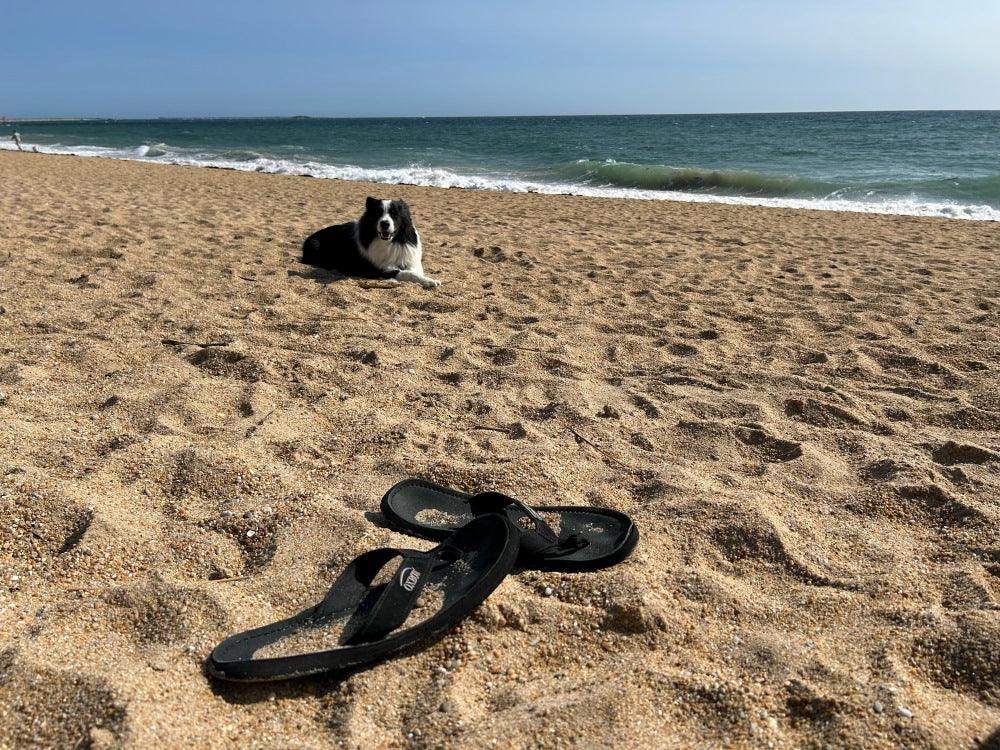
(390, 219)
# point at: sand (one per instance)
(800, 409)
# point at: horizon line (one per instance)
(93, 118)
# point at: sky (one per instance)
(382, 58)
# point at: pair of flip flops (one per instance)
(368, 615)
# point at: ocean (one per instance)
(916, 163)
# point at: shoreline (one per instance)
(799, 409)
(441, 178)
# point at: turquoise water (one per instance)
(923, 163)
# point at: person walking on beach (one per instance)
(17, 139)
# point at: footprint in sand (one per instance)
(648, 407)
(771, 449)
(965, 590)
(820, 414)
(224, 362)
(807, 706)
(159, 613)
(814, 358)
(493, 254)
(884, 470)
(682, 350)
(750, 537)
(66, 708)
(255, 533)
(961, 655)
(57, 525)
(951, 453)
(932, 500)
(641, 441)
(502, 356)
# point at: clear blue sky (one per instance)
(384, 58)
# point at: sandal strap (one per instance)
(566, 546)
(392, 605)
(492, 502)
(539, 541)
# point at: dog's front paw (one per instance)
(430, 283)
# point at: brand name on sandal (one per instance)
(408, 578)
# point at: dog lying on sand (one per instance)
(382, 244)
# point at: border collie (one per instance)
(382, 244)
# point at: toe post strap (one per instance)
(541, 539)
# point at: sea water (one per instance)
(917, 163)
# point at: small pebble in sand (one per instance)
(877, 707)
(904, 712)
(251, 533)
(3, 398)
(547, 591)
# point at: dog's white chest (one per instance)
(393, 255)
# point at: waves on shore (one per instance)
(609, 178)
(690, 179)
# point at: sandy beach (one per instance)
(800, 409)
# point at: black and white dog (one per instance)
(382, 244)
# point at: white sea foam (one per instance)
(160, 149)
(439, 177)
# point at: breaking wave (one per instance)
(691, 179)
(605, 179)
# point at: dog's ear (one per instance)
(372, 204)
(407, 232)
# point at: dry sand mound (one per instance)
(800, 409)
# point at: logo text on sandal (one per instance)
(408, 578)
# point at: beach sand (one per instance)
(800, 409)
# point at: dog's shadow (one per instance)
(324, 277)
(319, 275)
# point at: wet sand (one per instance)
(800, 409)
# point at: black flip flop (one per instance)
(587, 539)
(365, 622)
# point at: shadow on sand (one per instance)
(246, 693)
(324, 277)
(319, 275)
(992, 742)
